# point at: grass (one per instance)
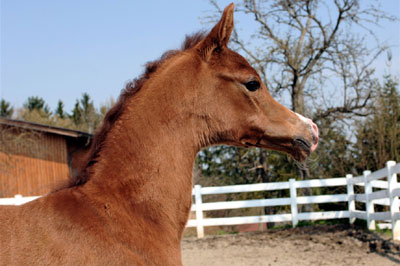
(358, 223)
(384, 232)
(223, 232)
(323, 222)
(312, 223)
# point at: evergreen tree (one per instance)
(378, 137)
(84, 115)
(37, 103)
(60, 110)
(36, 110)
(76, 113)
(5, 109)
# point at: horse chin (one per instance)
(299, 153)
(299, 156)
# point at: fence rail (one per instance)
(376, 192)
(17, 200)
(386, 193)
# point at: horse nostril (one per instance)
(314, 131)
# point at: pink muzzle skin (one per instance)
(314, 131)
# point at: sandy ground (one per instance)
(317, 245)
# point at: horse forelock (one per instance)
(131, 88)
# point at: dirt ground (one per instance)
(316, 245)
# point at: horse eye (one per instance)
(252, 85)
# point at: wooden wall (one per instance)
(32, 163)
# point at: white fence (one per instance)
(17, 200)
(385, 192)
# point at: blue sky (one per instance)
(61, 49)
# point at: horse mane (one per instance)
(131, 88)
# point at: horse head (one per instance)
(237, 105)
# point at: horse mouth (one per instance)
(298, 148)
(304, 145)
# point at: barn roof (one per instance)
(44, 128)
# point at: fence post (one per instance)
(350, 199)
(394, 200)
(199, 211)
(293, 202)
(369, 205)
(18, 199)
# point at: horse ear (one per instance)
(219, 36)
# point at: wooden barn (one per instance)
(36, 158)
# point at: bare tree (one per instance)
(307, 53)
(306, 48)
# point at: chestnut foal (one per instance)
(129, 206)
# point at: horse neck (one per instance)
(147, 159)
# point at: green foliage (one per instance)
(378, 137)
(37, 103)
(227, 165)
(5, 109)
(339, 153)
(377, 141)
(333, 158)
(35, 110)
(232, 165)
(223, 232)
(76, 113)
(60, 110)
(84, 116)
(384, 232)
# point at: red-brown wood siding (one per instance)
(33, 165)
